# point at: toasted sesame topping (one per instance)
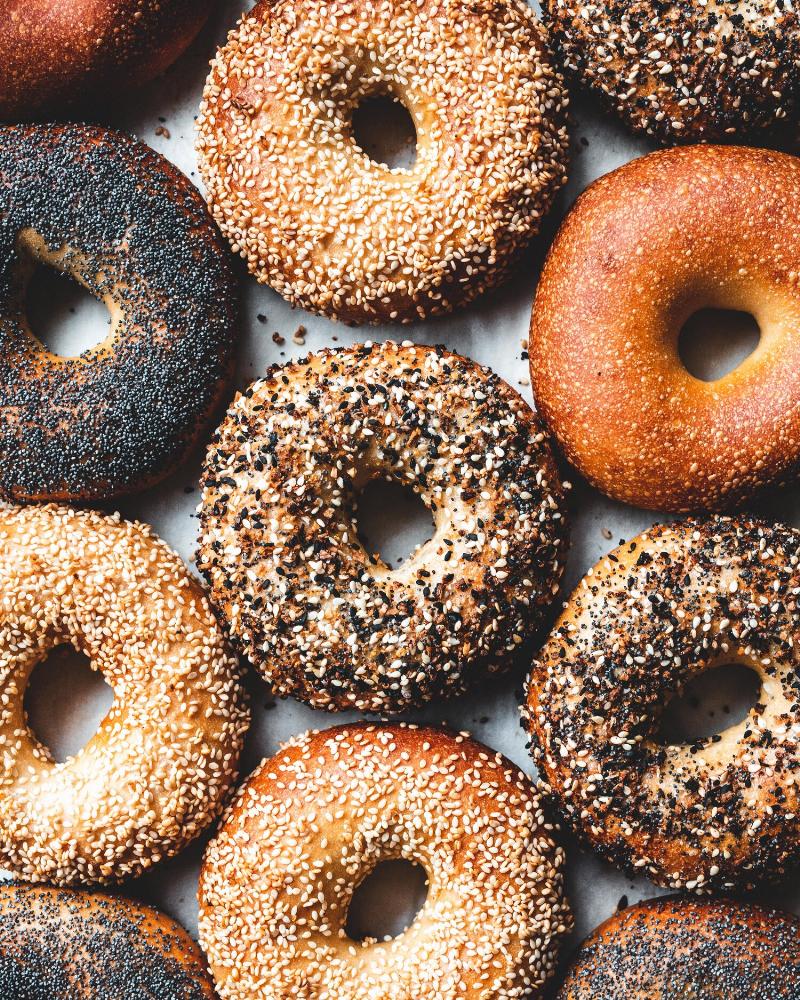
(332, 230)
(722, 811)
(313, 821)
(166, 754)
(279, 544)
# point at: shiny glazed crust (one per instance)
(322, 619)
(164, 757)
(59, 944)
(688, 949)
(329, 228)
(723, 811)
(123, 222)
(314, 820)
(644, 248)
(685, 71)
(57, 55)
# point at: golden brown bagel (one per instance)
(57, 55)
(164, 757)
(723, 811)
(322, 619)
(685, 71)
(643, 249)
(316, 818)
(329, 228)
(689, 949)
(58, 944)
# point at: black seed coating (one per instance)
(680, 949)
(57, 944)
(125, 223)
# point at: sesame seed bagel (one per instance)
(689, 949)
(685, 72)
(312, 822)
(319, 617)
(156, 772)
(57, 56)
(336, 232)
(125, 224)
(59, 944)
(620, 281)
(722, 811)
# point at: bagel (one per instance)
(724, 811)
(685, 72)
(319, 617)
(56, 56)
(314, 820)
(340, 234)
(689, 949)
(59, 944)
(163, 759)
(620, 281)
(126, 225)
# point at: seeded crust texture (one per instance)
(688, 949)
(313, 821)
(321, 619)
(59, 944)
(685, 71)
(722, 812)
(128, 226)
(56, 55)
(644, 248)
(332, 230)
(164, 757)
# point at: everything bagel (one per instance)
(322, 619)
(723, 811)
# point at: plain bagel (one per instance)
(643, 249)
(722, 811)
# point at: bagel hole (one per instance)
(714, 342)
(710, 703)
(387, 902)
(392, 521)
(383, 129)
(63, 315)
(66, 701)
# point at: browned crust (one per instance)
(57, 55)
(347, 798)
(643, 248)
(687, 949)
(59, 944)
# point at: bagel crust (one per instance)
(163, 759)
(318, 616)
(313, 821)
(689, 949)
(131, 229)
(59, 944)
(643, 249)
(332, 230)
(686, 71)
(724, 811)
(57, 56)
